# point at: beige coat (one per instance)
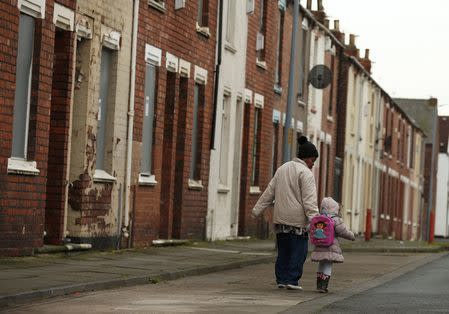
(294, 194)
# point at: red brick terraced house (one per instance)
(173, 119)
(37, 45)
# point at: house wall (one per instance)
(96, 192)
(174, 205)
(25, 192)
(225, 158)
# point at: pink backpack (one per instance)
(322, 230)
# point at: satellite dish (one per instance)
(320, 76)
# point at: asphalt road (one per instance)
(424, 290)
(250, 289)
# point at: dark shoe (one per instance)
(324, 283)
(319, 281)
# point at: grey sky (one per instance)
(408, 42)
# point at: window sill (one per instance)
(254, 190)
(330, 119)
(203, 30)
(102, 176)
(230, 47)
(22, 167)
(261, 64)
(223, 189)
(195, 185)
(157, 6)
(277, 89)
(147, 179)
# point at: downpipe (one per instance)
(125, 230)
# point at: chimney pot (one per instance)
(336, 25)
(320, 5)
(326, 23)
(367, 53)
(351, 39)
(357, 53)
(309, 4)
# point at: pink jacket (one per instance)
(332, 253)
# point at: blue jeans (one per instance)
(292, 253)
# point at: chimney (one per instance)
(366, 62)
(309, 4)
(320, 5)
(319, 14)
(352, 40)
(337, 25)
(337, 33)
(433, 102)
(351, 48)
(326, 23)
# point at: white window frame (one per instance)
(230, 22)
(224, 142)
(153, 56)
(63, 17)
(20, 164)
(195, 183)
(35, 8)
(158, 5)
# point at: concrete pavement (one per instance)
(46, 275)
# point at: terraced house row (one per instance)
(123, 122)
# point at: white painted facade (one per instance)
(442, 198)
(315, 97)
(352, 175)
(109, 27)
(379, 104)
(225, 159)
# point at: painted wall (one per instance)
(96, 193)
(225, 159)
(442, 201)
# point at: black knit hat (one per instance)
(306, 149)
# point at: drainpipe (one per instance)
(125, 229)
(291, 80)
(432, 175)
(217, 74)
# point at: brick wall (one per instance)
(171, 209)
(23, 197)
(260, 81)
(329, 119)
(59, 133)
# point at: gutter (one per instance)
(125, 229)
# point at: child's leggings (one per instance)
(325, 267)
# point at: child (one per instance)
(331, 254)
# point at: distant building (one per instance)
(424, 112)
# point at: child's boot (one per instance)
(324, 283)
(319, 280)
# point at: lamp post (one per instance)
(291, 89)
